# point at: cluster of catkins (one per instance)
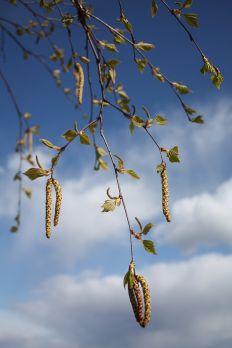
(50, 183)
(140, 297)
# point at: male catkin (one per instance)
(80, 79)
(48, 208)
(58, 200)
(147, 300)
(165, 194)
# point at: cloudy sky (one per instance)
(67, 291)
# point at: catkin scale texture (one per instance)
(165, 194)
(48, 208)
(140, 300)
(80, 79)
(58, 201)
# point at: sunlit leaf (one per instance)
(34, 173)
(149, 246)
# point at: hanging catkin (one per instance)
(140, 300)
(48, 208)
(58, 201)
(80, 78)
(147, 300)
(165, 194)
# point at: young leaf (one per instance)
(132, 174)
(144, 46)
(147, 228)
(217, 80)
(198, 119)
(187, 4)
(182, 89)
(173, 154)
(154, 8)
(103, 164)
(160, 120)
(70, 135)
(141, 63)
(120, 162)
(50, 145)
(149, 246)
(138, 122)
(132, 127)
(92, 128)
(84, 139)
(109, 46)
(34, 173)
(191, 19)
(108, 205)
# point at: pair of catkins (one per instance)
(51, 182)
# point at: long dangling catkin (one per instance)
(58, 200)
(136, 300)
(147, 300)
(80, 79)
(165, 194)
(48, 208)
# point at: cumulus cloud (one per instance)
(201, 220)
(191, 299)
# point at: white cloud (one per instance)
(201, 220)
(191, 299)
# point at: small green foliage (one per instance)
(147, 228)
(141, 63)
(131, 127)
(50, 145)
(109, 46)
(132, 174)
(182, 89)
(34, 173)
(144, 46)
(110, 204)
(173, 154)
(84, 139)
(126, 23)
(55, 160)
(156, 72)
(92, 128)
(185, 5)
(154, 8)
(160, 120)
(70, 135)
(138, 121)
(120, 162)
(149, 246)
(209, 68)
(198, 119)
(217, 80)
(191, 19)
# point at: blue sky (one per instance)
(68, 291)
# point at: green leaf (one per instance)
(34, 173)
(132, 174)
(198, 119)
(154, 8)
(138, 122)
(217, 80)
(189, 110)
(112, 63)
(144, 46)
(100, 151)
(156, 72)
(120, 162)
(108, 205)
(92, 128)
(109, 46)
(147, 228)
(70, 135)
(160, 120)
(126, 23)
(149, 246)
(141, 63)
(50, 145)
(208, 67)
(191, 19)
(103, 164)
(27, 191)
(173, 154)
(84, 139)
(55, 160)
(182, 89)
(187, 4)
